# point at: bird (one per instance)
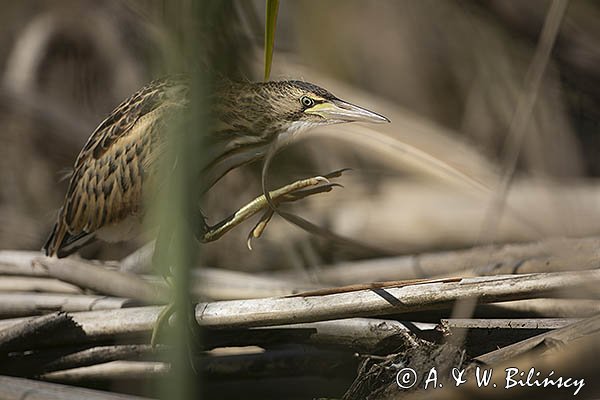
(111, 174)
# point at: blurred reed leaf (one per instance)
(270, 25)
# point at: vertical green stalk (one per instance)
(206, 46)
(179, 198)
(272, 9)
(178, 203)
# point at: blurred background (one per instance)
(448, 74)
(456, 168)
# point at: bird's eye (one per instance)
(307, 101)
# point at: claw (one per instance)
(295, 191)
(302, 193)
(321, 179)
(259, 228)
(337, 173)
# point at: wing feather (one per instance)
(106, 184)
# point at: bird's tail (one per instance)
(61, 243)
(52, 244)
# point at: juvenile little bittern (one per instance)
(105, 196)
(106, 192)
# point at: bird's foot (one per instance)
(295, 191)
(162, 321)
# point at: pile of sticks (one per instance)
(71, 323)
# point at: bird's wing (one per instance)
(106, 185)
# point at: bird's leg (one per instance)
(159, 262)
(165, 315)
(161, 320)
(293, 192)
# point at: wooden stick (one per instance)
(110, 371)
(565, 334)
(34, 284)
(84, 274)
(18, 303)
(293, 310)
(551, 255)
(291, 361)
(20, 389)
(100, 354)
(359, 333)
(90, 276)
(16, 262)
(536, 323)
(208, 283)
(24, 334)
(481, 336)
(409, 298)
(221, 284)
(545, 307)
(38, 362)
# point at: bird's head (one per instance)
(293, 106)
(304, 105)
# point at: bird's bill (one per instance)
(338, 110)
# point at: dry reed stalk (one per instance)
(113, 370)
(102, 280)
(574, 331)
(27, 303)
(549, 255)
(34, 284)
(396, 299)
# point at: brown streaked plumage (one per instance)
(106, 190)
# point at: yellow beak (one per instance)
(340, 111)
